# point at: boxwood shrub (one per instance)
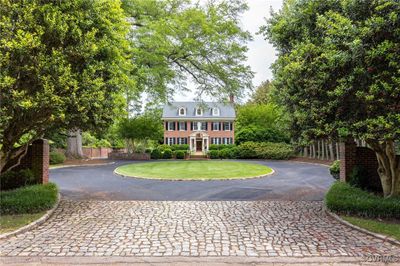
(344, 199)
(167, 154)
(56, 157)
(213, 154)
(180, 154)
(155, 154)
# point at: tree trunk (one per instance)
(331, 151)
(337, 151)
(388, 166)
(74, 144)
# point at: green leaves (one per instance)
(339, 66)
(177, 41)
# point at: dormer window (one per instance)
(182, 111)
(199, 111)
(215, 111)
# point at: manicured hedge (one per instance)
(167, 154)
(179, 147)
(345, 199)
(156, 154)
(15, 179)
(180, 154)
(30, 199)
(56, 157)
(252, 150)
(221, 146)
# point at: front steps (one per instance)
(198, 157)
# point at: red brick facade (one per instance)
(212, 136)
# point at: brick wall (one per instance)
(37, 159)
(351, 156)
(96, 152)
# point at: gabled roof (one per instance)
(171, 110)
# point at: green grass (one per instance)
(345, 199)
(29, 199)
(194, 170)
(380, 227)
(13, 222)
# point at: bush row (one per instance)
(253, 150)
(29, 199)
(167, 154)
(346, 199)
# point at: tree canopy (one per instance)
(63, 64)
(338, 73)
(177, 41)
(261, 122)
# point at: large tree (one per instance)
(181, 41)
(338, 72)
(63, 64)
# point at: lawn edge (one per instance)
(33, 224)
(363, 230)
(199, 180)
(77, 165)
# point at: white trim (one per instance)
(198, 108)
(215, 111)
(184, 111)
(213, 127)
(171, 123)
(205, 118)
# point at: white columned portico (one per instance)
(197, 136)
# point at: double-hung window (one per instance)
(171, 126)
(215, 126)
(227, 126)
(182, 126)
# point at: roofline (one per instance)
(198, 118)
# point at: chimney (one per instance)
(231, 98)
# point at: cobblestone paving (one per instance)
(193, 228)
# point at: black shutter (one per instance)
(212, 125)
(166, 125)
(206, 126)
(230, 140)
(186, 126)
(220, 125)
(191, 126)
(179, 126)
(231, 126)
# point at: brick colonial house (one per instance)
(198, 124)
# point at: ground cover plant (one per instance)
(345, 199)
(29, 199)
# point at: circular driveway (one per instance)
(291, 181)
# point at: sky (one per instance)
(261, 54)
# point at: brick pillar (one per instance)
(348, 158)
(40, 160)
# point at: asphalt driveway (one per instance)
(291, 181)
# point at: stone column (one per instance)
(348, 150)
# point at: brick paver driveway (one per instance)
(193, 228)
